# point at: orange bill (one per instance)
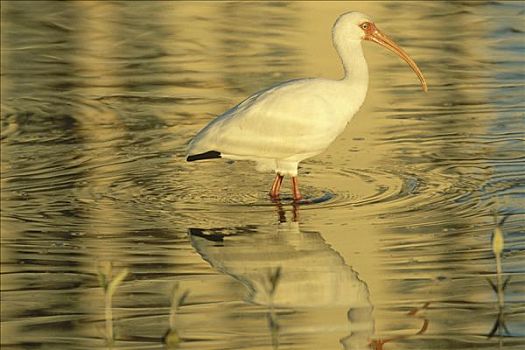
(375, 35)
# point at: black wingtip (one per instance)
(205, 155)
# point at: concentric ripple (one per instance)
(218, 186)
(221, 187)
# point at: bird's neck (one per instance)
(354, 85)
(354, 63)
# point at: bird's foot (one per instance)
(274, 196)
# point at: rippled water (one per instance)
(99, 100)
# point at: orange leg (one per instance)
(295, 187)
(276, 186)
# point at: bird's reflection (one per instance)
(287, 268)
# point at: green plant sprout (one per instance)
(109, 286)
(498, 245)
(171, 337)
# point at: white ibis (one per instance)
(282, 125)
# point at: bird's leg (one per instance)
(295, 187)
(276, 186)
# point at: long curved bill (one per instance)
(375, 35)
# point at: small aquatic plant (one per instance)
(109, 286)
(177, 299)
(498, 245)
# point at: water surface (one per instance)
(99, 100)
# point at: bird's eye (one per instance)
(365, 26)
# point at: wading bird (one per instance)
(282, 125)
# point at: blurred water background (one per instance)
(99, 100)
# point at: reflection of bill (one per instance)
(288, 268)
(379, 343)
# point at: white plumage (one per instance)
(280, 126)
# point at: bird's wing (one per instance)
(278, 123)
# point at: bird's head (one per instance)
(358, 26)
